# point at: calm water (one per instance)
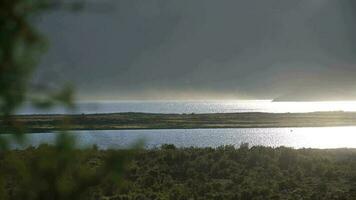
(199, 107)
(327, 137)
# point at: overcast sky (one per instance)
(183, 49)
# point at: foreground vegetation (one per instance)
(194, 173)
(114, 121)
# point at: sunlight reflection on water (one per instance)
(325, 137)
(200, 107)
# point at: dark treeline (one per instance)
(202, 173)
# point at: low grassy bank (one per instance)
(43, 123)
(206, 173)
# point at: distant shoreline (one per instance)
(139, 121)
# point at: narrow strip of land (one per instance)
(117, 121)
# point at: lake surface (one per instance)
(326, 137)
(197, 107)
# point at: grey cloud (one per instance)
(260, 49)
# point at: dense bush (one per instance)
(200, 173)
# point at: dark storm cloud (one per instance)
(229, 48)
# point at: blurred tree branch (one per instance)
(21, 47)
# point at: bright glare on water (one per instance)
(326, 137)
(200, 107)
